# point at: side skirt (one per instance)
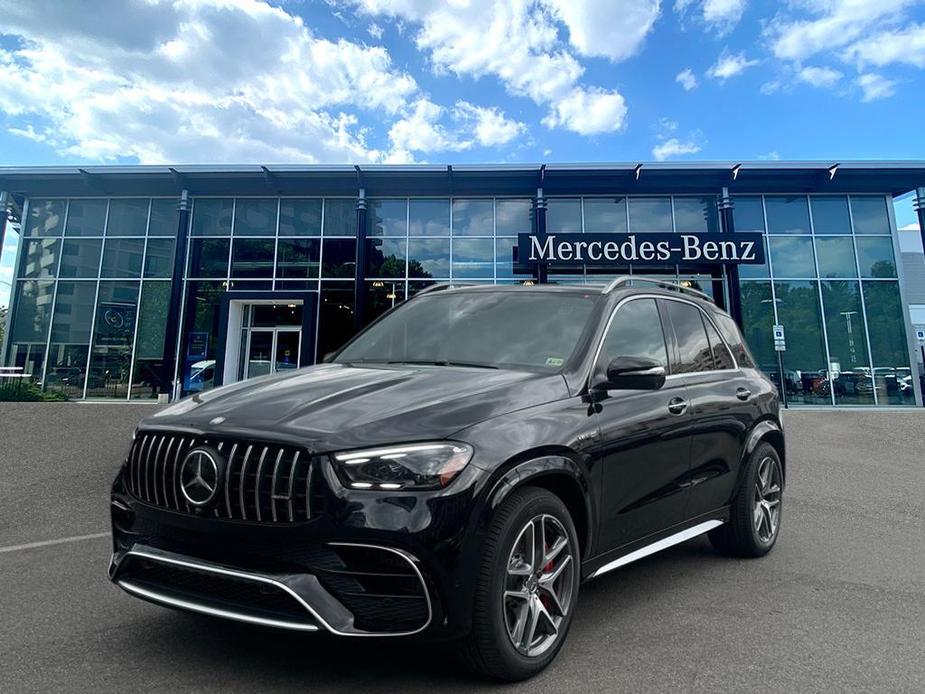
(674, 538)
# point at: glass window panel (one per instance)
(830, 214)
(300, 217)
(429, 258)
(70, 338)
(252, 258)
(805, 370)
(875, 257)
(792, 257)
(203, 300)
(149, 344)
(39, 258)
(255, 216)
(250, 285)
(836, 257)
(208, 257)
(386, 257)
(757, 320)
(889, 350)
(747, 270)
(748, 213)
(335, 316)
(636, 331)
(787, 214)
(650, 214)
(297, 285)
(387, 217)
(473, 258)
(127, 217)
(298, 258)
(382, 296)
(29, 327)
(722, 357)
(605, 215)
(504, 253)
(473, 217)
(693, 346)
(429, 217)
(563, 215)
(870, 214)
(86, 217)
(513, 216)
(340, 217)
(122, 258)
(45, 218)
(696, 214)
(165, 217)
(80, 258)
(159, 258)
(339, 258)
(212, 217)
(111, 358)
(849, 362)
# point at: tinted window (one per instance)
(830, 214)
(46, 218)
(748, 213)
(122, 258)
(605, 214)
(787, 215)
(212, 217)
(340, 217)
(693, 346)
(635, 331)
(85, 218)
(429, 217)
(255, 217)
(534, 330)
(722, 359)
(870, 214)
(563, 214)
(300, 217)
(696, 214)
(473, 217)
(386, 217)
(650, 214)
(734, 338)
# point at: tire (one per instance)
(755, 514)
(489, 648)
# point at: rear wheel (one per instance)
(754, 519)
(527, 587)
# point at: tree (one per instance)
(3, 312)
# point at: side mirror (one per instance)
(634, 373)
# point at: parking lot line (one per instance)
(46, 543)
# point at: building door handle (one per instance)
(743, 394)
(677, 405)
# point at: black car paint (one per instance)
(629, 470)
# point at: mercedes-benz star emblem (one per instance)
(199, 476)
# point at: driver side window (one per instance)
(636, 331)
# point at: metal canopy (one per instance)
(891, 177)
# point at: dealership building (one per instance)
(132, 281)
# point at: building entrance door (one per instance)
(271, 338)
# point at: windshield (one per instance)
(532, 330)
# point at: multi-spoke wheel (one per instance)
(754, 517)
(539, 587)
(527, 586)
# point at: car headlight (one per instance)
(413, 466)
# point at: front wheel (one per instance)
(527, 587)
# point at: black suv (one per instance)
(458, 469)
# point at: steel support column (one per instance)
(541, 273)
(734, 306)
(359, 292)
(172, 329)
(919, 205)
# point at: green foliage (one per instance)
(22, 390)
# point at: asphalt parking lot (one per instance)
(838, 606)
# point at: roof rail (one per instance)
(443, 286)
(625, 280)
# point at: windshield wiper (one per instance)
(429, 362)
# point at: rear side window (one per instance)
(733, 338)
(722, 358)
(693, 346)
(635, 331)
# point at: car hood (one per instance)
(333, 406)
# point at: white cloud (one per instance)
(819, 76)
(686, 79)
(489, 125)
(721, 15)
(874, 86)
(216, 80)
(421, 130)
(773, 155)
(729, 65)
(911, 226)
(903, 46)
(519, 44)
(374, 30)
(673, 147)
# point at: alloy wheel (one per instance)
(767, 499)
(539, 585)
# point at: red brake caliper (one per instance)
(546, 569)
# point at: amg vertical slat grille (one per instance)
(262, 482)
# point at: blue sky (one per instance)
(459, 81)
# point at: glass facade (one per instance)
(93, 280)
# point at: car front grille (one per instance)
(262, 482)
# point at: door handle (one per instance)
(743, 394)
(677, 405)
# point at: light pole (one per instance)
(847, 315)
